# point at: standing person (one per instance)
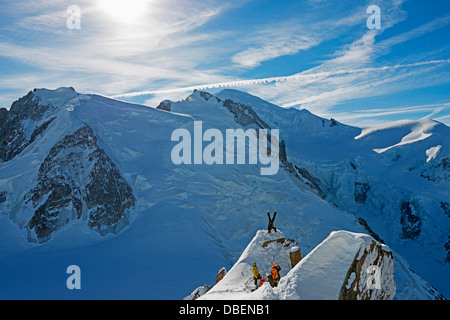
(270, 227)
(275, 273)
(256, 275)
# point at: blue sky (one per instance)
(313, 54)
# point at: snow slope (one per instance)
(188, 219)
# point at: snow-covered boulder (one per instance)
(344, 266)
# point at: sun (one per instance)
(124, 10)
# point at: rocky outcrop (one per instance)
(244, 114)
(220, 275)
(300, 174)
(165, 105)
(437, 172)
(369, 230)
(361, 189)
(345, 266)
(371, 266)
(312, 181)
(410, 220)
(77, 180)
(447, 247)
(21, 125)
(446, 207)
(197, 293)
(295, 255)
(333, 123)
(207, 96)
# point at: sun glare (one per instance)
(124, 10)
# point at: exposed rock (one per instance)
(3, 196)
(266, 243)
(165, 105)
(438, 171)
(410, 221)
(220, 275)
(446, 207)
(244, 114)
(295, 255)
(21, 125)
(447, 247)
(301, 174)
(206, 96)
(333, 123)
(363, 280)
(361, 189)
(78, 180)
(363, 222)
(197, 293)
(313, 182)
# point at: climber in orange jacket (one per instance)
(274, 276)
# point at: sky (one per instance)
(318, 55)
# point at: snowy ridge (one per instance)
(419, 131)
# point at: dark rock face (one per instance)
(333, 123)
(78, 180)
(438, 171)
(447, 247)
(446, 207)
(20, 126)
(206, 95)
(361, 189)
(165, 105)
(361, 284)
(244, 115)
(410, 221)
(369, 230)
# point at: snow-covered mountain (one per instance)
(90, 181)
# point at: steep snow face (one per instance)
(345, 265)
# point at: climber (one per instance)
(256, 275)
(274, 276)
(271, 220)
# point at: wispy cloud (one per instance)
(107, 55)
(304, 78)
(290, 37)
